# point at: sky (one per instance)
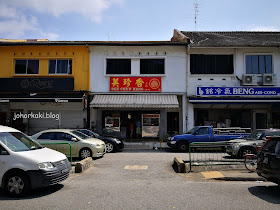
(131, 20)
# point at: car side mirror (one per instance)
(74, 139)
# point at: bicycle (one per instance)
(251, 161)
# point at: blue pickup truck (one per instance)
(205, 134)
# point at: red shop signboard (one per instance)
(135, 84)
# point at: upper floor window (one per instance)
(151, 66)
(60, 66)
(211, 64)
(258, 64)
(26, 66)
(118, 66)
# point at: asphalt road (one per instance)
(145, 180)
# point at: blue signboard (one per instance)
(237, 91)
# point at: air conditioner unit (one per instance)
(269, 79)
(249, 79)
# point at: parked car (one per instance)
(82, 146)
(201, 134)
(112, 144)
(269, 160)
(26, 165)
(250, 145)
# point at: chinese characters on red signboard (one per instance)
(135, 84)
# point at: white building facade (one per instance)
(138, 89)
(233, 79)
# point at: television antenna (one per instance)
(195, 14)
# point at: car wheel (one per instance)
(17, 184)
(85, 153)
(246, 150)
(109, 147)
(183, 147)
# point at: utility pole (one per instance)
(195, 14)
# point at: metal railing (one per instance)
(62, 149)
(209, 154)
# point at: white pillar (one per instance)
(190, 117)
(184, 113)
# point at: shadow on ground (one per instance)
(270, 194)
(34, 193)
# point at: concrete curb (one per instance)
(240, 179)
(83, 165)
(179, 165)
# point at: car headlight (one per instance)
(235, 146)
(46, 165)
(95, 144)
(172, 138)
(117, 141)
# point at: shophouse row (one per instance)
(142, 89)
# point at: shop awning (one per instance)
(135, 101)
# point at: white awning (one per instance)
(135, 101)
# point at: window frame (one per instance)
(134, 60)
(212, 75)
(153, 58)
(26, 66)
(259, 54)
(56, 67)
(117, 58)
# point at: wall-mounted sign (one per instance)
(237, 91)
(35, 84)
(135, 84)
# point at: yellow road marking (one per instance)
(212, 174)
(135, 167)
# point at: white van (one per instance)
(25, 164)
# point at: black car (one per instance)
(269, 160)
(112, 144)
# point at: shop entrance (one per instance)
(128, 124)
(172, 123)
(223, 118)
(261, 120)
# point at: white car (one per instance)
(26, 165)
(82, 145)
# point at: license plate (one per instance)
(64, 170)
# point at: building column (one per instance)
(163, 123)
(190, 116)
(184, 113)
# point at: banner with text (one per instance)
(237, 91)
(135, 84)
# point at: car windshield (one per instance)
(89, 133)
(254, 135)
(17, 141)
(192, 130)
(80, 135)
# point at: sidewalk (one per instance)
(227, 175)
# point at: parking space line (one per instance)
(135, 167)
(212, 174)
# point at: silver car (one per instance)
(82, 146)
(249, 145)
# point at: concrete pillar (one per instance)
(184, 113)
(163, 122)
(190, 116)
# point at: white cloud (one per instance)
(91, 9)
(14, 24)
(15, 28)
(262, 28)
